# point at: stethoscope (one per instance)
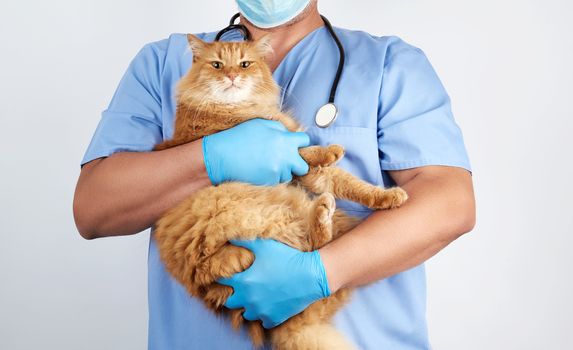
(326, 115)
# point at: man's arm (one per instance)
(440, 209)
(128, 191)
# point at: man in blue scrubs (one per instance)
(396, 125)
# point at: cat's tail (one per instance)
(310, 337)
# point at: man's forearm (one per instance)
(128, 191)
(440, 209)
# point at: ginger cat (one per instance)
(193, 237)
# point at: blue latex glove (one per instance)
(281, 282)
(258, 151)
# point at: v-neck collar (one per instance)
(285, 71)
(297, 49)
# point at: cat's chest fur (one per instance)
(195, 121)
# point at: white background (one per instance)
(506, 64)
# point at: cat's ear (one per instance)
(263, 45)
(197, 45)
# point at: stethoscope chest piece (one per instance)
(326, 115)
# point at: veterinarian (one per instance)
(395, 122)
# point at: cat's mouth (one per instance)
(232, 87)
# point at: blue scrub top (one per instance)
(393, 114)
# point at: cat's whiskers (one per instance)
(266, 90)
(190, 94)
(191, 90)
(203, 105)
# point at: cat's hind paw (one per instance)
(321, 231)
(216, 295)
(325, 207)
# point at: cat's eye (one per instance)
(245, 64)
(217, 64)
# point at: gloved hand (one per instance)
(258, 151)
(281, 282)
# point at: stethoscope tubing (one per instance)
(233, 26)
(340, 60)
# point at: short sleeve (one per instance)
(415, 122)
(132, 121)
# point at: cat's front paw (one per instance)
(389, 198)
(334, 154)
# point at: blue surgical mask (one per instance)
(271, 13)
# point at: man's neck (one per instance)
(285, 37)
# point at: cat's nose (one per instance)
(232, 76)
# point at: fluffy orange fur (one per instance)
(193, 237)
